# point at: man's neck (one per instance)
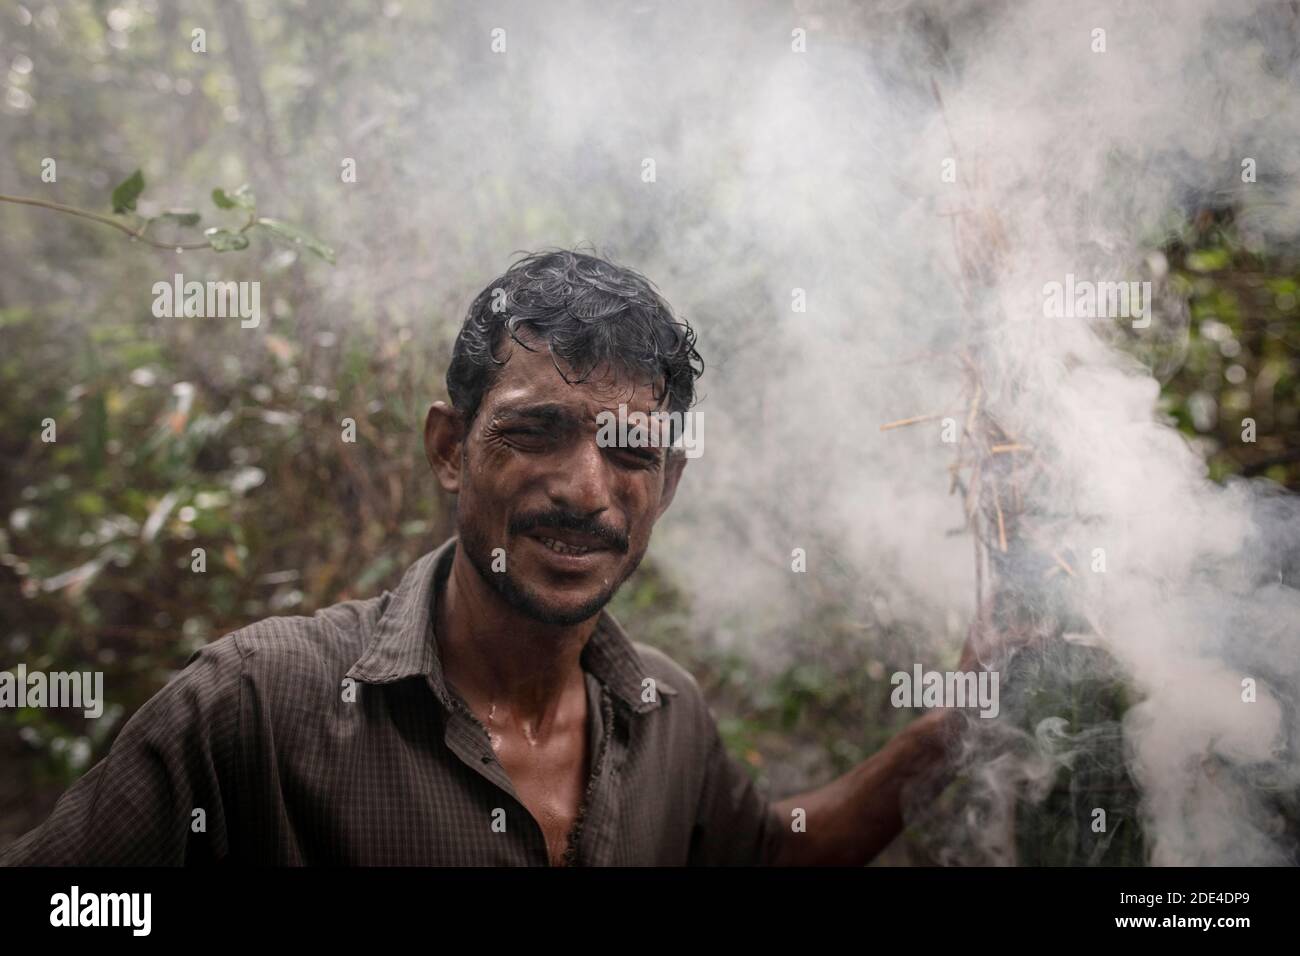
(492, 654)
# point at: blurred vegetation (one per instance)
(1241, 360)
(180, 435)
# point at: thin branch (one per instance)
(915, 420)
(137, 234)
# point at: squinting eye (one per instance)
(642, 459)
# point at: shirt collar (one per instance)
(403, 644)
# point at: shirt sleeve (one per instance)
(734, 824)
(140, 804)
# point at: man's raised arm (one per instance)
(854, 817)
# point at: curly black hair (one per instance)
(590, 313)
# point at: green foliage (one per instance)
(127, 192)
(223, 240)
(159, 452)
(1242, 348)
(242, 198)
(182, 217)
(297, 236)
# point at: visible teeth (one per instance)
(559, 547)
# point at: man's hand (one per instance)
(853, 818)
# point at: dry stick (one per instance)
(983, 609)
(1092, 622)
(980, 438)
(1064, 564)
(974, 406)
(979, 582)
(981, 448)
(914, 420)
(1017, 474)
(973, 490)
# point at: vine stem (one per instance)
(137, 234)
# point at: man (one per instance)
(487, 711)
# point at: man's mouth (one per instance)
(570, 544)
(559, 547)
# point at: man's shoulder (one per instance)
(321, 645)
(664, 669)
(675, 682)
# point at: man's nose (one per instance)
(582, 485)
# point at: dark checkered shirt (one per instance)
(261, 751)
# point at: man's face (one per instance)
(573, 518)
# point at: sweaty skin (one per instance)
(511, 647)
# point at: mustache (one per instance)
(561, 520)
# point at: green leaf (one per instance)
(298, 237)
(241, 198)
(223, 240)
(1208, 260)
(182, 217)
(127, 192)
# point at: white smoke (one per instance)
(820, 171)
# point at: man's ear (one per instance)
(444, 438)
(673, 469)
